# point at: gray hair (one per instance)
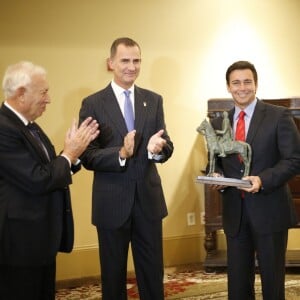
(19, 75)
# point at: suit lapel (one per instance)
(141, 106)
(256, 120)
(112, 108)
(21, 126)
(47, 143)
(255, 124)
(230, 116)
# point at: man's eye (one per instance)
(44, 93)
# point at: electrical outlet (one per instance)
(191, 218)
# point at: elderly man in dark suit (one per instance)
(256, 220)
(128, 201)
(35, 209)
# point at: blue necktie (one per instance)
(128, 112)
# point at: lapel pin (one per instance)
(145, 104)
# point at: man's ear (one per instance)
(109, 64)
(20, 93)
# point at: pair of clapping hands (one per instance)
(78, 138)
(155, 144)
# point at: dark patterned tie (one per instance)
(128, 112)
(34, 130)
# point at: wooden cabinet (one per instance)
(213, 205)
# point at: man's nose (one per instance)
(131, 65)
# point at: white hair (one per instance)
(19, 75)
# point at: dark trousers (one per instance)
(27, 283)
(243, 249)
(145, 237)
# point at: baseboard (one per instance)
(82, 264)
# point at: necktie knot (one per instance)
(128, 111)
(127, 93)
(33, 128)
(242, 114)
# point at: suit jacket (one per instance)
(115, 187)
(35, 209)
(275, 144)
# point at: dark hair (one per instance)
(241, 65)
(128, 42)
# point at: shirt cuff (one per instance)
(156, 157)
(122, 161)
(68, 159)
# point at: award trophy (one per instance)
(222, 143)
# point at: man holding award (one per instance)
(256, 219)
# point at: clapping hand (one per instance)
(78, 138)
(156, 142)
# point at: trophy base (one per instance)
(224, 181)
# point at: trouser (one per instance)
(145, 237)
(243, 249)
(27, 283)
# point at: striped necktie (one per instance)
(240, 132)
(128, 111)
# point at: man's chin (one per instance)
(40, 113)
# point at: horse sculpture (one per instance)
(229, 147)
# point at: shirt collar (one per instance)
(119, 90)
(24, 120)
(248, 110)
